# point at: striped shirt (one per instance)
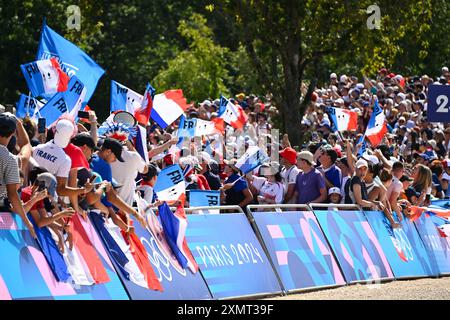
(9, 171)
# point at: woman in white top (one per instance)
(268, 185)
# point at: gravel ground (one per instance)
(419, 289)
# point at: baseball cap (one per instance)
(115, 147)
(8, 124)
(334, 190)
(63, 132)
(50, 183)
(289, 154)
(84, 138)
(205, 156)
(307, 156)
(372, 159)
(361, 163)
(333, 76)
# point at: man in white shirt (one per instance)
(289, 173)
(126, 172)
(52, 157)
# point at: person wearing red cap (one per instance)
(289, 173)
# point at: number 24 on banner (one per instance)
(438, 103)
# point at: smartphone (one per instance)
(41, 125)
(41, 186)
(83, 114)
(92, 178)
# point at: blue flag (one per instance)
(72, 59)
(64, 102)
(24, 103)
(186, 128)
(204, 198)
(363, 147)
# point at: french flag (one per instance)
(142, 115)
(343, 119)
(140, 143)
(168, 107)
(45, 77)
(376, 129)
(175, 225)
(198, 127)
(124, 99)
(232, 114)
(442, 224)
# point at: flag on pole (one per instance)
(343, 119)
(45, 77)
(64, 102)
(124, 99)
(24, 104)
(232, 114)
(363, 149)
(175, 225)
(142, 114)
(376, 129)
(168, 107)
(170, 185)
(198, 127)
(73, 60)
(252, 158)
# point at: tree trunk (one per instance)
(291, 95)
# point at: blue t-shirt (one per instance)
(235, 195)
(103, 168)
(334, 175)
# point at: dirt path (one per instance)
(420, 289)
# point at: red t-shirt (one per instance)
(77, 156)
(26, 196)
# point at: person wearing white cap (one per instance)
(334, 195)
(52, 157)
(358, 191)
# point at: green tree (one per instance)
(201, 70)
(301, 35)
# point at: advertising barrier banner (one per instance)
(402, 246)
(298, 249)
(230, 256)
(355, 245)
(438, 247)
(27, 274)
(176, 282)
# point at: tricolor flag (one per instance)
(168, 107)
(343, 119)
(170, 185)
(376, 129)
(175, 225)
(252, 158)
(127, 256)
(69, 102)
(198, 127)
(142, 115)
(29, 105)
(140, 143)
(124, 99)
(204, 198)
(441, 223)
(73, 60)
(45, 77)
(232, 114)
